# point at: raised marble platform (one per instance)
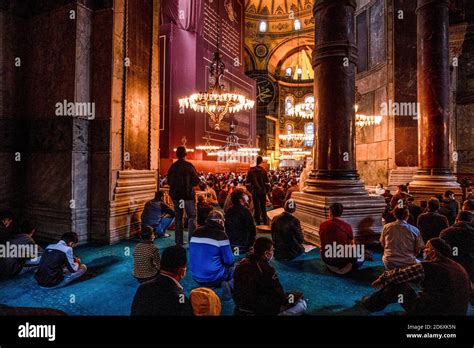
(363, 212)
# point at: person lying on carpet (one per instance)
(146, 257)
(257, 289)
(164, 295)
(211, 261)
(445, 285)
(12, 266)
(58, 266)
(158, 215)
(287, 234)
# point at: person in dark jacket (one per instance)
(164, 295)
(257, 289)
(182, 178)
(203, 210)
(450, 207)
(432, 223)
(7, 226)
(445, 285)
(259, 186)
(239, 224)
(12, 266)
(460, 237)
(400, 197)
(56, 259)
(287, 234)
(158, 215)
(415, 211)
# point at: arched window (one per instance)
(262, 27)
(289, 104)
(309, 99)
(297, 24)
(288, 72)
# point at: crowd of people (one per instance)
(431, 245)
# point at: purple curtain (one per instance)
(184, 13)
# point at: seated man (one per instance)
(278, 196)
(432, 222)
(7, 226)
(468, 205)
(211, 196)
(210, 257)
(9, 267)
(445, 285)
(257, 290)
(239, 223)
(58, 266)
(461, 237)
(203, 210)
(401, 241)
(158, 215)
(146, 257)
(335, 233)
(451, 206)
(287, 234)
(294, 188)
(164, 295)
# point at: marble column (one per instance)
(335, 177)
(434, 173)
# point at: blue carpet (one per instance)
(112, 289)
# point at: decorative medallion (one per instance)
(261, 51)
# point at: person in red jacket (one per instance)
(336, 234)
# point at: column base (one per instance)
(362, 212)
(423, 187)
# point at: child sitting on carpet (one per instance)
(146, 257)
(59, 266)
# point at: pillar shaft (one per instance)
(433, 86)
(434, 173)
(334, 63)
(335, 178)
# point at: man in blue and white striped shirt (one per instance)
(211, 261)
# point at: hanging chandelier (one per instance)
(233, 152)
(216, 102)
(303, 110)
(296, 136)
(207, 147)
(364, 120)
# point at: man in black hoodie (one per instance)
(257, 290)
(460, 237)
(259, 186)
(287, 234)
(239, 224)
(182, 177)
